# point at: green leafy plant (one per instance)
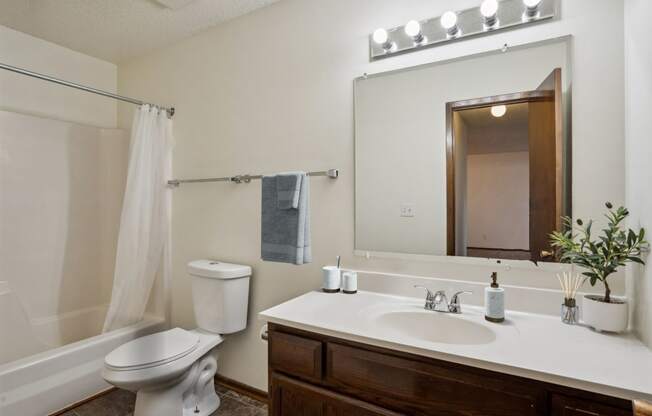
(601, 256)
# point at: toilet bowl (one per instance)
(172, 371)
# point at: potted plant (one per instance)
(601, 257)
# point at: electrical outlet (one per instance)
(407, 210)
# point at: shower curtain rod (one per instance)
(21, 71)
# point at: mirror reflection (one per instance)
(465, 158)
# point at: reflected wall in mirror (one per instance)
(438, 174)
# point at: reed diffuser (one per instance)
(570, 284)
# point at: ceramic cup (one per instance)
(349, 282)
(331, 279)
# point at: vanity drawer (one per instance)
(427, 388)
(295, 398)
(296, 355)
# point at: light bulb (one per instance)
(448, 20)
(531, 4)
(498, 110)
(380, 36)
(531, 9)
(413, 30)
(489, 8)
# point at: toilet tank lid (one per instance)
(217, 269)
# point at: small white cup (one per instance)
(331, 279)
(349, 282)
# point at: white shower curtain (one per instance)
(143, 241)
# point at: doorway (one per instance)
(505, 183)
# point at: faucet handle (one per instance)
(429, 293)
(455, 306)
(430, 298)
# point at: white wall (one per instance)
(28, 95)
(498, 200)
(273, 91)
(61, 187)
(638, 75)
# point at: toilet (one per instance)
(172, 371)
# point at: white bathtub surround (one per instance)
(14, 321)
(143, 241)
(52, 380)
(529, 345)
(61, 187)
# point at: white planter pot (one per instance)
(602, 316)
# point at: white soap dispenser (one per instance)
(494, 301)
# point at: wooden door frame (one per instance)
(451, 107)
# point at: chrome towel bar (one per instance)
(331, 173)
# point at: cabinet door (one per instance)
(571, 406)
(422, 388)
(295, 398)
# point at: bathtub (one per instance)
(53, 377)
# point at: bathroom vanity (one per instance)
(372, 354)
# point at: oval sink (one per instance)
(436, 327)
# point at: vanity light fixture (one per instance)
(489, 11)
(484, 19)
(413, 30)
(381, 37)
(449, 22)
(531, 9)
(498, 110)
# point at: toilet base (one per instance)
(193, 394)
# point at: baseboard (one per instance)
(79, 403)
(242, 388)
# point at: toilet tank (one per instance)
(220, 295)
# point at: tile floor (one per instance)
(121, 403)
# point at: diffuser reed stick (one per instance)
(570, 284)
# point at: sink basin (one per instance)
(435, 327)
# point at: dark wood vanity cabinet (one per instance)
(314, 375)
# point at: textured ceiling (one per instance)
(117, 30)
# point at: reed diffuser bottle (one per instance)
(570, 284)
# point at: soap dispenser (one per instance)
(494, 301)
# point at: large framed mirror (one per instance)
(465, 158)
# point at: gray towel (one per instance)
(285, 228)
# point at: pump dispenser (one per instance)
(494, 301)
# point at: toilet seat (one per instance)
(153, 350)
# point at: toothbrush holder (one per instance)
(331, 279)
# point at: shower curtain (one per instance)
(143, 240)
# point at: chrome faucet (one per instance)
(438, 301)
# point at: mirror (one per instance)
(465, 158)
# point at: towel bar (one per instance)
(174, 183)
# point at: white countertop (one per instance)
(534, 346)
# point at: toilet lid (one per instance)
(153, 350)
